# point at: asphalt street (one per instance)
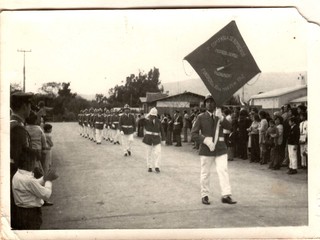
(99, 188)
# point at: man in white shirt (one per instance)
(29, 194)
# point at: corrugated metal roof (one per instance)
(278, 92)
(300, 99)
(179, 94)
(153, 96)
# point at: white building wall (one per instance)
(277, 102)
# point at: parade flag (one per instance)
(224, 63)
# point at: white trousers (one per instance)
(153, 155)
(93, 133)
(222, 171)
(304, 149)
(86, 131)
(126, 142)
(115, 135)
(99, 135)
(293, 156)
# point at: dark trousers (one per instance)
(242, 148)
(13, 207)
(275, 157)
(177, 136)
(169, 137)
(29, 218)
(255, 149)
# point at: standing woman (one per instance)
(303, 139)
(262, 137)
(169, 130)
(275, 163)
(254, 135)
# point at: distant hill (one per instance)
(265, 82)
(88, 96)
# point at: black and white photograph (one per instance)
(152, 121)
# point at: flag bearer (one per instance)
(207, 130)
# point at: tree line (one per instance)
(66, 104)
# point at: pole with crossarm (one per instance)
(24, 67)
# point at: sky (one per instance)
(97, 49)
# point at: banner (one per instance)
(224, 63)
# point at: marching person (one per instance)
(80, 122)
(127, 127)
(105, 132)
(152, 139)
(98, 124)
(86, 117)
(114, 122)
(208, 131)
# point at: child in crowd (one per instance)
(38, 140)
(271, 140)
(48, 153)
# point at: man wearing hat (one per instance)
(207, 130)
(26, 191)
(152, 138)
(127, 127)
(20, 143)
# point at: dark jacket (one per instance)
(205, 126)
(127, 123)
(153, 132)
(20, 142)
(294, 135)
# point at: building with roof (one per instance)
(263, 82)
(149, 101)
(181, 102)
(273, 100)
(168, 104)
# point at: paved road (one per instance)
(99, 188)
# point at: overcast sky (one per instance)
(95, 50)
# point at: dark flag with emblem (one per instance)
(224, 63)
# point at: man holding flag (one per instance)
(224, 64)
(207, 131)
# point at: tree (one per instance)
(15, 87)
(64, 91)
(134, 88)
(50, 88)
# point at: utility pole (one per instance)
(24, 67)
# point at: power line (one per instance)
(24, 67)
